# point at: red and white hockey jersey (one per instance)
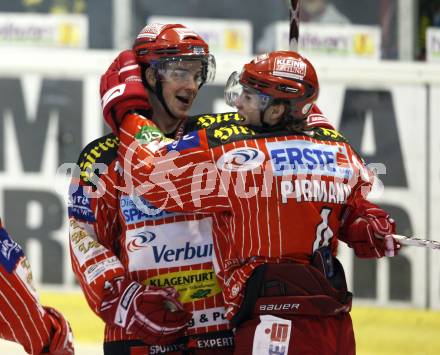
(22, 318)
(273, 195)
(112, 234)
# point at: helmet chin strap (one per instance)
(158, 90)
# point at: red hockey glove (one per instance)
(317, 119)
(151, 313)
(368, 230)
(61, 340)
(122, 90)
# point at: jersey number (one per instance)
(323, 230)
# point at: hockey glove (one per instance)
(152, 313)
(61, 339)
(121, 89)
(368, 230)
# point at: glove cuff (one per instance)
(125, 303)
(121, 99)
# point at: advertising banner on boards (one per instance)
(44, 30)
(223, 36)
(325, 40)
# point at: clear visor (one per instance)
(199, 69)
(237, 95)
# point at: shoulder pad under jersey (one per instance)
(100, 151)
(327, 134)
(209, 120)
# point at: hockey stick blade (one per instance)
(431, 244)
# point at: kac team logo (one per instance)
(241, 159)
(140, 240)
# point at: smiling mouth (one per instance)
(184, 100)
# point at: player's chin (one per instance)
(181, 110)
(181, 114)
(244, 119)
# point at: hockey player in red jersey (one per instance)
(99, 255)
(281, 195)
(120, 244)
(39, 329)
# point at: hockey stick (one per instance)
(294, 25)
(431, 244)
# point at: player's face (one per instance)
(249, 107)
(180, 85)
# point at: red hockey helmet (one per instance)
(158, 44)
(277, 75)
